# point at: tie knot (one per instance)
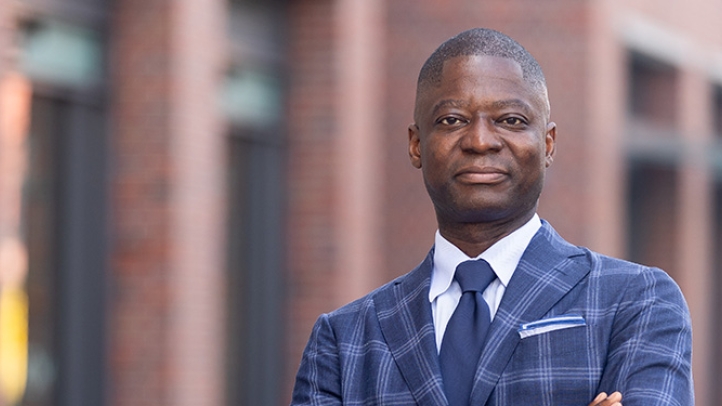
(474, 276)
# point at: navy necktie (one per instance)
(466, 332)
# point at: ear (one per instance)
(414, 146)
(550, 141)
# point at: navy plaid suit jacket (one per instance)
(380, 349)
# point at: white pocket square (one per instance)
(551, 324)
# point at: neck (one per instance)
(475, 238)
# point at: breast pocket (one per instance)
(564, 348)
(561, 364)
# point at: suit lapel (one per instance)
(546, 272)
(404, 314)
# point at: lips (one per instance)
(485, 175)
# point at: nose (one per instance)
(481, 137)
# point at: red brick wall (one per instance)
(141, 201)
(166, 337)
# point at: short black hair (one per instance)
(482, 41)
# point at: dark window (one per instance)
(252, 100)
(65, 201)
(652, 214)
(653, 147)
(652, 91)
(717, 111)
(65, 225)
(255, 275)
(716, 159)
(716, 329)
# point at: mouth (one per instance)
(481, 176)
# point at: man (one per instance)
(551, 324)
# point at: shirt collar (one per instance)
(503, 256)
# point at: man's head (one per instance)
(482, 134)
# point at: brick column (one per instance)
(359, 147)
(311, 129)
(335, 160)
(166, 330)
(606, 80)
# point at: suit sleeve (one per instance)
(649, 357)
(318, 381)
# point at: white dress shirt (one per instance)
(503, 257)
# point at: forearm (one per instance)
(649, 357)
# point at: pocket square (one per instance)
(551, 324)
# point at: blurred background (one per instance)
(185, 185)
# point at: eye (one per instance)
(513, 121)
(450, 121)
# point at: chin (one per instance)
(494, 212)
(485, 217)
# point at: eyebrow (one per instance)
(496, 105)
(512, 103)
(448, 103)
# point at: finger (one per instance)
(615, 397)
(598, 400)
(603, 399)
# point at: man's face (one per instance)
(483, 140)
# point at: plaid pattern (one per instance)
(380, 350)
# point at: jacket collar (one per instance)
(404, 314)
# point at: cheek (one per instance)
(533, 153)
(436, 169)
(527, 156)
(434, 157)
(532, 163)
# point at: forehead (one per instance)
(484, 65)
(479, 77)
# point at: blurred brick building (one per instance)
(205, 177)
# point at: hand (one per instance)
(615, 399)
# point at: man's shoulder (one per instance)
(635, 278)
(366, 301)
(609, 269)
(631, 282)
(597, 261)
